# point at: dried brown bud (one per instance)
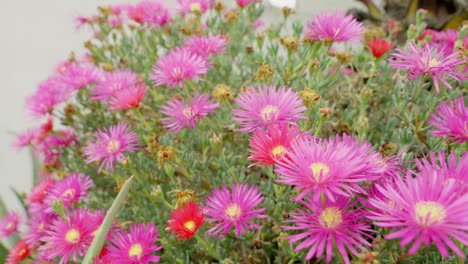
(165, 154)
(222, 93)
(375, 32)
(288, 11)
(249, 49)
(343, 57)
(184, 197)
(314, 63)
(324, 111)
(289, 43)
(219, 6)
(368, 257)
(232, 16)
(265, 72)
(108, 67)
(309, 97)
(387, 149)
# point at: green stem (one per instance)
(208, 247)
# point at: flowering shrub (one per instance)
(229, 140)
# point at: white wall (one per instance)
(35, 36)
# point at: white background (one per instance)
(36, 35)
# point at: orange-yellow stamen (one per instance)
(330, 218)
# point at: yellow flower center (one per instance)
(10, 226)
(177, 73)
(269, 113)
(319, 170)
(234, 212)
(330, 218)
(68, 193)
(72, 236)
(428, 213)
(195, 7)
(188, 112)
(113, 146)
(190, 225)
(278, 150)
(433, 63)
(136, 250)
(22, 253)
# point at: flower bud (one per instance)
(265, 72)
(184, 197)
(165, 154)
(309, 97)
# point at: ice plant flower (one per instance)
(69, 237)
(235, 208)
(78, 75)
(267, 105)
(244, 3)
(180, 114)
(150, 13)
(428, 62)
(48, 95)
(25, 138)
(110, 145)
(323, 225)
(9, 224)
(334, 27)
(136, 247)
(431, 210)
(450, 120)
(19, 252)
(69, 190)
(185, 221)
(268, 146)
(40, 191)
(379, 47)
(37, 226)
(331, 167)
(448, 169)
(128, 98)
(113, 82)
(200, 6)
(206, 46)
(178, 66)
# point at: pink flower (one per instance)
(38, 223)
(332, 167)
(265, 106)
(428, 62)
(176, 67)
(128, 98)
(110, 145)
(205, 46)
(234, 209)
(69, 190)
(9, 224)
(78, 75)
(182, 113)
(244, 3)
(430, 210)
(324, 225)
(451, 121)
(136, 247)
(268, 146)
(40, 191)
(49, 94)
(336, 27)
(19, 252)
(151, 13)
(113, 82)
(70, 237)
(188, 6)
(25, 138)
(450, 171)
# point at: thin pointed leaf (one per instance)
(3, 253)
(3, 208)
(20, 199)
(98, 241)
(36, 167)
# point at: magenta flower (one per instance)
(336, 27)
(128, 98)
(70, 237)
(113, 82)
(150, 13)
(37, 227)
(136, 247)
(450, 171)
(244, 3)
(236, 208)
(188, 6)
(324, 225)
(40, 191)
(268, 146)
(25, 138)
(265, 106)
(49, 94)
(78, 75)
(430, 210)
(69, 190)
(9, 224)
(332, 167)
(205, 46)
(110, 145)
(451, 121)
(428, 62)
(182, 113)
(176, 67)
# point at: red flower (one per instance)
(379, 46)
(18, 253)
(185, 221)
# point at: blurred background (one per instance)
(36, 35)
